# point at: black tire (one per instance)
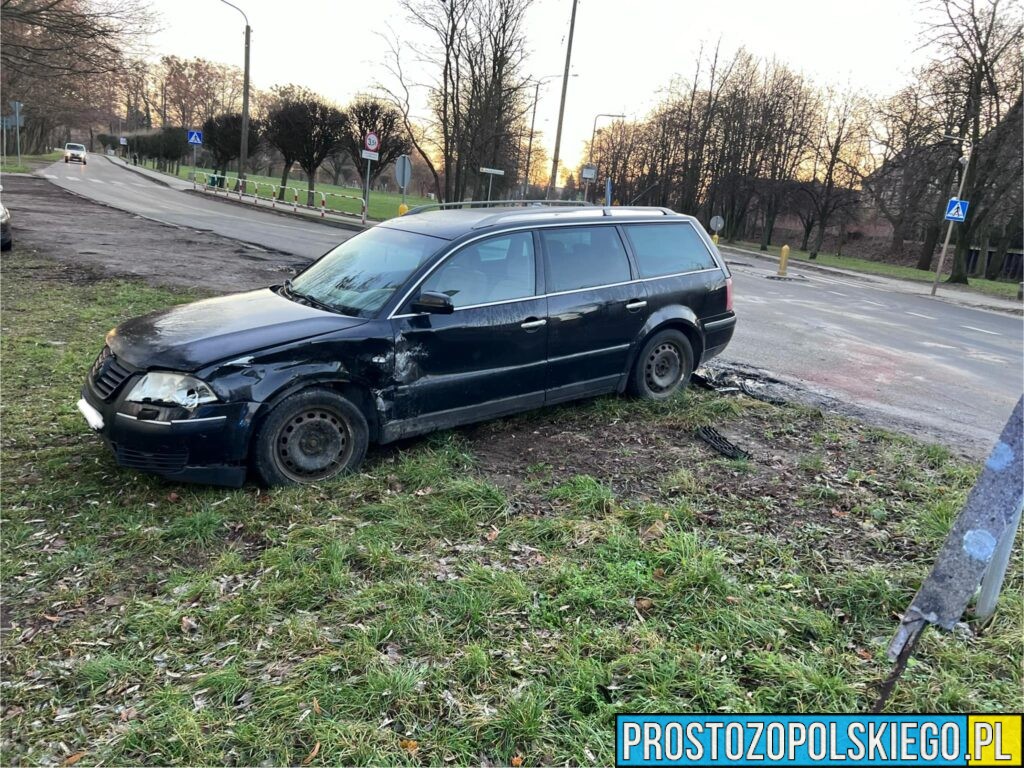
(663, 366)
(309, 437)
(66, 160)
(8, 245)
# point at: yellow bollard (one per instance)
(783, 258)
(714, 238)
(403, 209)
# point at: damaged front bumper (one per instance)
(210, 446)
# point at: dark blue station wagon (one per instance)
(435, 319)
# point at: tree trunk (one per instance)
(819, 239)
(284, 180)
(898, 236)
(981, 265)
(995, 265)
(808, 227)
(309, 189)
(931, 239)
(766, 231)
(959, 272)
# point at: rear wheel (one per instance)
(663, 366)
(309, 437)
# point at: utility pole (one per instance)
(243, 154)
(966, 162)
(561, 106)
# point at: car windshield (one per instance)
(360, 275)
(75, 147)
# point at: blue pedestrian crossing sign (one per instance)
(956, 210)
(195, 137)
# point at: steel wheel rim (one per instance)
(663, 368)
(313, 444)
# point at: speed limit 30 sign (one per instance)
(371, 142)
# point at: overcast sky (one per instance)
(624, 51)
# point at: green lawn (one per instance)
(473, 597)
(28, 162)
(383, 205)
(1000, 288)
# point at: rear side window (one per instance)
(498, 269)
(667, 249)
(584, 257)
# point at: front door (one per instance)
(595, 309)
(488, 357)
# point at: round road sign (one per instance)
(372, 143)
(717, 223)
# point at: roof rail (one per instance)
(609, 210)
(497, 203)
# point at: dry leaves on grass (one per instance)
(517, 761)
(409, 745)
(312, 755)
(72, 759)
(188, 624)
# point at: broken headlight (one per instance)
(166, 388)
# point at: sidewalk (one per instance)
(332, 219)
(964, 297)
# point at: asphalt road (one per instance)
(106, 182)
(901, 360)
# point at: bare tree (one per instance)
(981, 41)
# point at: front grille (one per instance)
(107, 374)
(165, 462)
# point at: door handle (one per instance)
(638, 304)
(532, 325)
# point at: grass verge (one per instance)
(483, 594)
(28, 162)
(1002, 288)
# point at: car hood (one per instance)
(190, 336)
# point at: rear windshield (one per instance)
(75, 147)
(359, 276)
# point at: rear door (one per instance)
(596, 307)
(486, 358)
(677, 268)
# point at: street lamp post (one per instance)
(243, 154)
(533, 120)
(590, 155)
(561, 106)
(965, 160)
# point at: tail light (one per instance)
(728, 294)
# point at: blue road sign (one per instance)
(956, 210)
(195, 137)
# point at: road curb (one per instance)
(144, 175)
(877, 280)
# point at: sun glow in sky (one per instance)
(624, 53)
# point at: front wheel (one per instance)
(663, 366)
(309, 437)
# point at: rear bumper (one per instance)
(717, 335)
(210, 446)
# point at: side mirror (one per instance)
(433, 302)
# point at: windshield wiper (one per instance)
(308, 299)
